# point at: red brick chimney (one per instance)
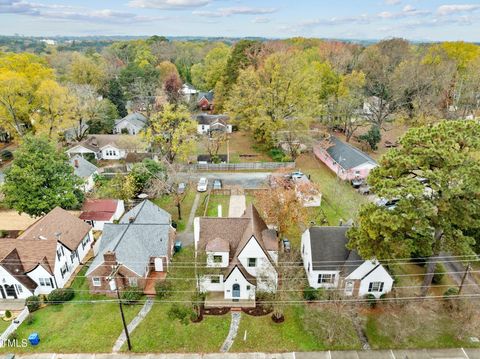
(109, 258)
(75, 162)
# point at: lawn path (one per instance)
(232, 333)
(133, 324)
(237, 205)
(186, 237)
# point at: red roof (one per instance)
(99, 209)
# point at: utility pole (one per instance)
(113, 277)
(463, 278)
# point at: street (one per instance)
(247, 180)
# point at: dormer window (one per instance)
(252, 262)
(217, 259)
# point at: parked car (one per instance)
(296, 175)
(202, 184)
(286, 245)
(217, 184)
(357, 182)
(181, 188)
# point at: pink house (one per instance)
(347, 161)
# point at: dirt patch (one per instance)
(278, 320)
(258, 311)
(215, 311)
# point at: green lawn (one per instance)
(4, 324)
(76, 326)
(293, 334)
(339, 199)
(214, 201)
(168, 203)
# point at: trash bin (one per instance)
(177, 247)
(34, 339)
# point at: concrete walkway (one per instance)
(186, 237)
(232, 333)
(371, 354)
(133, 324)
(237, 205)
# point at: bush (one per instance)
(30, 319)
(277, 155)
(180, 312)
(58, 296)
(131, 295)
(310, 293)
(372, 137)
(33, 303)
(439, 273)
(371, 300)
(163, 289)
(8, 314)
(450, 292)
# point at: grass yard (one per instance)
(76, 326)
(296, 333)
(4, 324)
(160, 333)
(339, 199)
(168, 203)
(216, 200)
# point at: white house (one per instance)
(329, 264)
(188, 91)
(207, 124)
(131, 124)
(107, 147)
(242, 254)
(85, 170)
(97, 212)
(45, 256)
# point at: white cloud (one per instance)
(223, 12)
(168, 4)
(456, 8)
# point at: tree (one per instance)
(372, 137)
(215, 141)
(206, 74)
(428, 218)
(166, 69)
(116, 96)
(40, 178)
(85, 70)
(173, 131)
(172, 87)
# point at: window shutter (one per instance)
(370, 285)
(381, 287)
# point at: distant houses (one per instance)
(347, 161)
(206, 124)
(188, 92)
(85, 170)
(330, 264)
(44, 256)
(131, 124)
(205, 101)
(98, 212)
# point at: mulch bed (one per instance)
(278, 320)
(258, 311)
(215, 311)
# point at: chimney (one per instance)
(109, 258)
(75, 162)
(131, 219)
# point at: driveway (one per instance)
(247, 180)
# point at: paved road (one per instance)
(367, 354)
(248, 180)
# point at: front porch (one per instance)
(217, 300)
(153, 277)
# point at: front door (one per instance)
(158, 265)
(236, 290)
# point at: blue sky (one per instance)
(349, 19)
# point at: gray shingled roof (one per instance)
(347, 155)
(147, 213)
(136, 119)
(329, 251)
(206, 119)
(85, 168)
(207, 95)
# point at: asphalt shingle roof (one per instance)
(147, 213)
(136, 119)
(347, 155)
(84, 169)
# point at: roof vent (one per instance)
(43, 238)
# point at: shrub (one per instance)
(439, 273)
(450, 292)
(30, 319)
(180, 312)
(131, 295)
(33, 303)
(310, 293)
(277, 155)
(371, 300)
(163, 289)
(8, 314)
(372, 137)
(13, 336)
(58, 296)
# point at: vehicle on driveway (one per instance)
(181, 188)
(357, 182)
(217, 184)
(296, 175)
(202, 184)
(286, 245)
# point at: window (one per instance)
(44, 282)
(96, 281)
(59, 254)
(217, 259)
(248, 287)
(132, 281)
(303, 249)
(252, 262)
(326, 278)
(308, 267)
(375, 287)
(215, 279)
(19, 288)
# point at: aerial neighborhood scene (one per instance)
(239, 179)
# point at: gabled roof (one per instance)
(208, 95)
(136, 119)
(99, 209)
(206, 119)
(143, 232)
(95, 143)
(12, 263)
(347, 155)
(81, 167)
(329, 251)
(235, 263)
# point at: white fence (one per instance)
(14, 325)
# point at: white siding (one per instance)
(7, 279)
(378, 275)
(40, 272)
(222, 264)
(118, 153)
(236, 277)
